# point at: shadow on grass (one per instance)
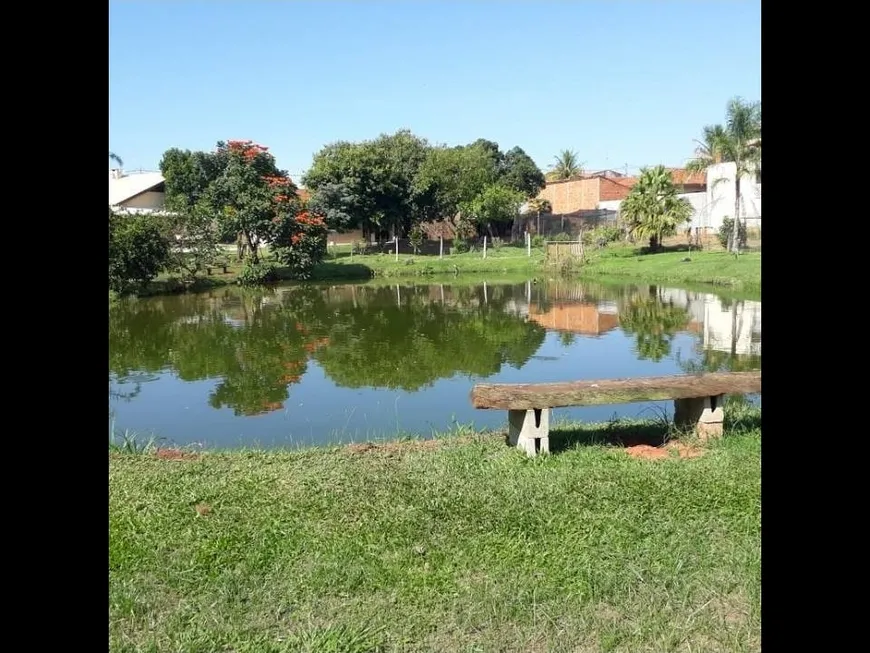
(630, 434)
(327, 271)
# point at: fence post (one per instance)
(484, 247)
(397, 247)
(441, 246)
(528, 244)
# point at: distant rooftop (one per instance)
(124, 186)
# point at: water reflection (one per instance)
(324, 357)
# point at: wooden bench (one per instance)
(698, 401)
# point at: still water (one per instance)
(315, 364)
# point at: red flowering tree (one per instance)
(249, 193)
(299, 241)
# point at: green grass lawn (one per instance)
(617, 262)
(709, 267)
(458, 545)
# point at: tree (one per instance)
(519, 172)
(451, 177)
(114, 157)
(738, 142)
(299, 242)
(567, 166)
(495, 204)
(653, 209)
(237, 190)
(378, 175)
(336, 204)
(138, 250)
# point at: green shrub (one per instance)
(496, 243)
(562, 238)
(416, 237)
(138, 250)
(727, 230)
(538, 241)
(460, 246)
(601, 236)
(257, 274)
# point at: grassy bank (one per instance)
(710, 268)
(717, 268)
(460, 544)
(616, 263)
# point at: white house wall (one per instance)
(721, 192)
(710, 208)
(147, 200)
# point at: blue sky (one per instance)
(620, 82)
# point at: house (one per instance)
(587, 192)
(143, 192)
(715, 201)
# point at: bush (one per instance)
(299, 242)
(562, 238)
(460, 246)
(603, 235)
(257, 274)
(138, 250)
(359, 247)
(538, 241)
(416, 237)
(496, 243)
(727, 230)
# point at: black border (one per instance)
(63, 511)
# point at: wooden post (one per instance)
(529, 293)
(397, 247)
(484, 249)
(528, 244)
(441, 246)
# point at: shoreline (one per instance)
(561, 430)
(712, 269)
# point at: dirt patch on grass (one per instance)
(175, 454)
(392, 448)
(670, 450)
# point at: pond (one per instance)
(319, 364)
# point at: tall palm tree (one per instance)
(566, 166)
(708, 149)
(653, 209)
(114, 157)
(739, 142)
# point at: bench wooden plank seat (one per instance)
(698, 401)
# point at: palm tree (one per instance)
(653, 208)
(114, 157)
(738, 142)
(566, 166)
(708, 149)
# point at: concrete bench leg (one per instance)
(529, 430)
(704, 414)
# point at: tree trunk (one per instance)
(252, 248)
(735, 233)
(653, 243)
